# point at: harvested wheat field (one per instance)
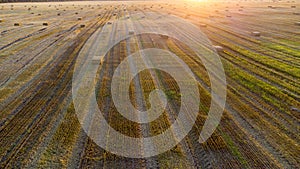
(44, 46)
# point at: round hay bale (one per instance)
(131, 32)
(76, 13)
(16, 24)
(164, 36)
(79, 18)
(297, 23)
(82, 25)
(58, 14)
(203, 25)
(45, 24)
(295, 109)
(293, 6)
(39, 14)
(255, 33)
(1, 20)
(109, 23)
(219, 48)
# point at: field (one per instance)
(39, 46)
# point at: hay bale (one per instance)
(228, 16)
(82, 25)
(16, 24)
(297, 23)
(79, 18)
(255, 33)
(39, 14)
(296, 13)
(203, 25)
(219, 48)
(45, 23)
(1, 20)
(58, 14)
(164, 36)
(109, 23)
(293, 6)
(295, 109)
(131, 32)
(76, 13)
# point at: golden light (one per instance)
(197, 0)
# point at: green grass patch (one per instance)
(268, 92)
(234, 149)
(283, 49)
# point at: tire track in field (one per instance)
(69, 50)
